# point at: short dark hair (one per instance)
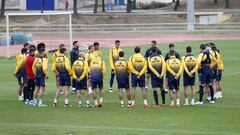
(202, 46)
(154, 49)
(171, 45)
(90, 46)
(62, 50)
(26, 44)
(32, 50)
(95, 44)
(41, 50)
(137, 49)
(154, 42)
(117, 41)
(121, 54)
(61, 46)
(32, 47)
(23, 50)
(74, 42)
(189, 49)
(172, 53)
(41, 45)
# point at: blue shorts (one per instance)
(219, 75)
(187, 80)
(82, 85)
(21, 77)
(156, 82)
(40, 81)
(65, 80)
(123, 85)
(97, 84)
(173, 83)
(215, 74)
(206, 75)
(140, 82)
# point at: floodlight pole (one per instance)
(190, 15)
(7, 35)
(70, 31)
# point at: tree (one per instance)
(128, 6)
(227, 3)
(75, 12)
(103, 5)
(177, 4)
(2, 8)
(215, 1)
(95, 6)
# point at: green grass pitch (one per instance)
(220, 118)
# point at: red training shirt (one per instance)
(29, 63)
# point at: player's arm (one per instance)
(67, 66)
(143, 71)
(54, 68)
(199, 59)
(54, 57)
(103, 68)
(185, 67)
(85, 71)
(163, 67)
(132, 69)
(73, 72)
(220, 62)
(111, 60)
(45, 69)
(151, 68)
(195, 68)
(34, 67)
(213, 61)
(169, 69)
(180, 69)
(20, 63)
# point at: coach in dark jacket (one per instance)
(73, 57)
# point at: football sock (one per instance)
(163, 96)
(201, 93)
(155, 95)
(211, 92)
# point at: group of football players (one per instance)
(85, 72)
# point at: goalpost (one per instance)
(8, 15)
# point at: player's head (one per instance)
(172, 53)
(154, 49)
(154, 43)
(137, 49)
(171, 46)
(208, 47)
(91, 48)
(32, 51)
(202, 47)
(23, 51)
(41, 51)
(62, 50)
(61, 46)
(32, 47)
(26, 45)
(76, 44)
(41, 46)
(96, 45)
(117, 43)
(121, 54)
(189, 49)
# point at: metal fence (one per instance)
(55, 34)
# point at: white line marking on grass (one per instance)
(231, 74)
(115, 128)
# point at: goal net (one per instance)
(51, 28)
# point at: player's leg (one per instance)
(41, 93)
(60, 82)
(31, 90)
(78, 94)
(89, 86)
(209, 81)
(66, 96)
(186, 95)
(177, 82)
(144, 96)
(87, 98)
(128, 96)
(111, 81)
(163, 93)
(193, 94)
(148, 77)
(35, 95)
(120, 96)
(73, 86)
(133, 89)
(155, 96)
(171, 94)
(101, 93)
(94, 94)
